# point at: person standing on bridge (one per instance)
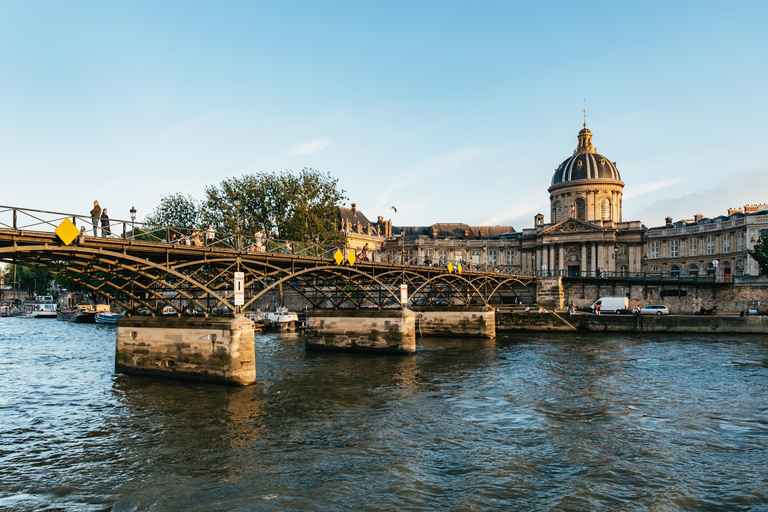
(95, 217)
(209, 234)
(104, 223)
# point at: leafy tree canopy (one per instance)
(760, 253)
(293, 206)
(177, 210)
(34, 281)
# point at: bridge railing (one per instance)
(42, 221)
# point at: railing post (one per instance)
(14, 219)
(123, 230)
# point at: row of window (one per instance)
(693, 246)
(579, 210)
(443, 256)
(693, 269)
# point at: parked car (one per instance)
(654, 309)
(612, 305)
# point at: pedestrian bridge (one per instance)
(165, 269)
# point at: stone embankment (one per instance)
(585, 322)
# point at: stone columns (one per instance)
(561, 258)
(583, 267)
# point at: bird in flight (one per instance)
(394, 208)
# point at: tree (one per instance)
(292, 206)
(760, 253)
(177, 210)
(34, 281)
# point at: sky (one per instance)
(449, 111)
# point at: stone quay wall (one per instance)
(681, 298)
(516, 321)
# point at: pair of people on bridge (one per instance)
(100, 216)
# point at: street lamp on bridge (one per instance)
(237, 224)
(133, 221)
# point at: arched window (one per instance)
(693, 270)
(558, 214)
(711, 269)
(655, 270)
(605, 209)
(674, 271)
(580, 207)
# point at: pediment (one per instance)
(571, 226)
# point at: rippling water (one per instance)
(526, 422)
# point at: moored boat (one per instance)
(108, 318)
(281, 319)
(78, 315)
(41, 307)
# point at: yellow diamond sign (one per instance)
(351, 257)
(458, 268)
(450, 267)
(67, 231)
(338, 257)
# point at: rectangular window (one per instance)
(692, 242)
(654, 249)
(510, 257)
(492, 257)
(710, 245)
(443, 257)
(674, 248)
(623, 249)
(740, 242)
(726, 243)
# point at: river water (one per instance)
(525, 422)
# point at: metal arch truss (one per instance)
(163, 278)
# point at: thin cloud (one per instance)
(311, 147)
(647, 188)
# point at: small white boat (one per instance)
(108, 318)
(281, 319)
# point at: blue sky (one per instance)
(451, 111)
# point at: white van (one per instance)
(612, 305)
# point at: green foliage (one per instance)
(292, 206)
(760, 253)
(177, 210)
(34, 281)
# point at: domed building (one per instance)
(586, 186)
(586, 235)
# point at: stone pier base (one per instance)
(203, 349)
(456, 322)
(378, 330)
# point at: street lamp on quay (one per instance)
(616, 258)
(237, 221)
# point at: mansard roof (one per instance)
(454, 230)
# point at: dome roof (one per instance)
(586, 164)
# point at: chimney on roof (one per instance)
(733, 211)
(668, 221)
(354, 209)
(435, 231)
(750, 208)
(697, 217)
